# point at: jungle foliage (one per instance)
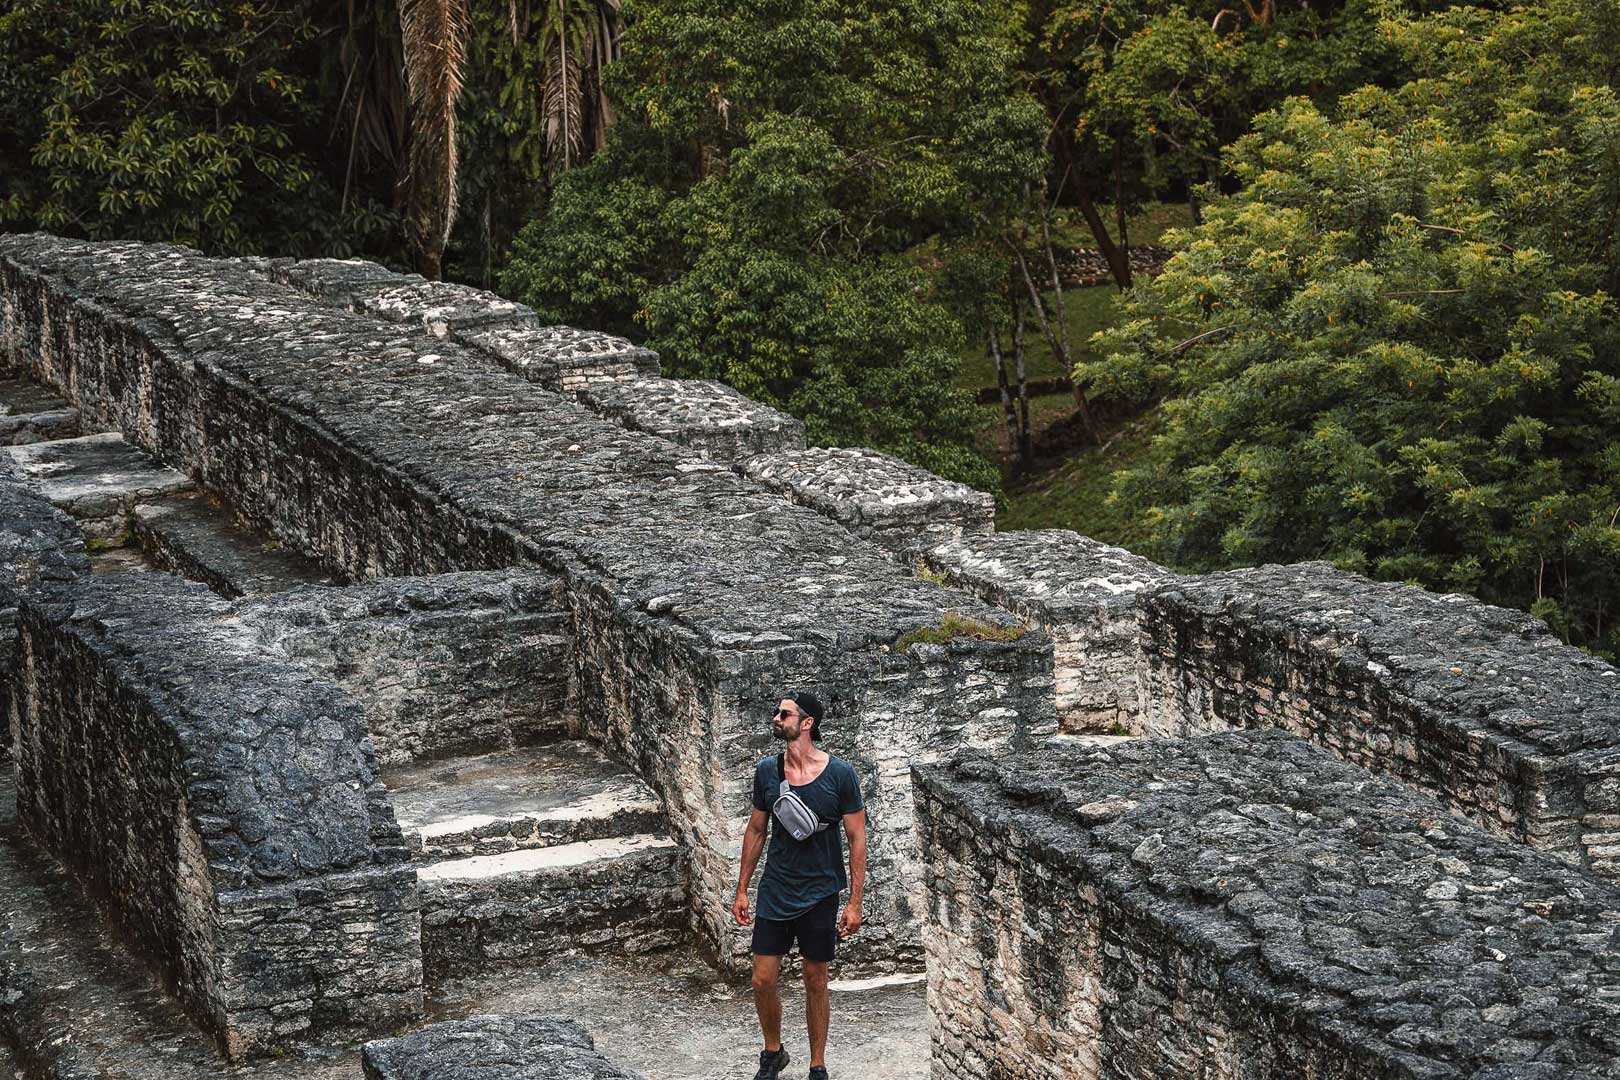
(757, 208)
(1395, 345)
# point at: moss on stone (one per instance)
(953, 625)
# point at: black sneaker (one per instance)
(818, 1072)
(771, 1064)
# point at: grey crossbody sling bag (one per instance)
(796, 817)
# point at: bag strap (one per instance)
(785, 789)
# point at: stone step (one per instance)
(29, 413)
(511, 800)
(189, 535)
(621, 894)
(99, 479)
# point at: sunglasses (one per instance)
(789, 713)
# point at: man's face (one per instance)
(789, 721)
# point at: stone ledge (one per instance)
(222, 805)
(1479, 704)
(562, 358)
(492, 1047)
(709, 417)
(901, 507)
(1246, 903)
(1085, 594)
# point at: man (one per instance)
(798, 892)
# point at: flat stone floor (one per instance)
(675, 1020)
(96, 478)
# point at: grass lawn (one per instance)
(1074, 495)
(1088, 310)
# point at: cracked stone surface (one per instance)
(1248, 901)
(1480, 704)
(492, 1047)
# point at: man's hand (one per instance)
(850, 920)
(740, 912)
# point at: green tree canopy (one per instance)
(188, 120)
(1395, 347)
(756, 209)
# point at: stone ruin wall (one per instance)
(223, 806)
(374, 422)
(342, 434)
(1245, 905)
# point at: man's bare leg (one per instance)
(816, 1009)
(768, 1000)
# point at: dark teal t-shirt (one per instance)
(800, 874)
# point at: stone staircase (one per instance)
(29, 413)
(523, 854)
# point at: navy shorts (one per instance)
(816, 931)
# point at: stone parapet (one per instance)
(708, 417)
(1247, 905)
(222, 806)
(1479, 704)
(1085, 594)
(902, 508)
(41, 549)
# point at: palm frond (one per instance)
(433, 34)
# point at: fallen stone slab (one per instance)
(1085, 594)
(98, 479)
(711, 418)
(492, 1047)
(898, 506)
(1246, 904)
(190, 536)
(1481, 705)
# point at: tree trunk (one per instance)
(1118, 260)
(1014, 444)
(1026, 449)
(1119, 205)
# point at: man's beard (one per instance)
(781, 732)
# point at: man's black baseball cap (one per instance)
(810, 705)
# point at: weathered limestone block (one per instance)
(562, 358)
(710, 417)
(447, 664)
(187, 535)
(41, 549)
(440, 307)
(492, 1047)
(223, 807)
(1245, 904)
(626, 894)
(696, 596)
(1479, 704)
(1081, 592)
(900, 507)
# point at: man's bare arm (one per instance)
(855, 828)
(753, 845)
